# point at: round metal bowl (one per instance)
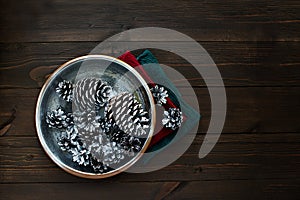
(122, 78)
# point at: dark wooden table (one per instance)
(255, 45)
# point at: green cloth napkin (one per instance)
(154, 70)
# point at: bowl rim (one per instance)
(51, 154)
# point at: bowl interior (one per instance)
(120, 76)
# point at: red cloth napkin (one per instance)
(130, 59)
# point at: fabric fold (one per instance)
(147, 65)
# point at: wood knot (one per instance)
(5, 126)
(197, 169)
(40, 74)
(29, 157)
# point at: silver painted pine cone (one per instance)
(59, 118)
(105, 151)
(68, 139)
(65, 90)
(90, 93)
(159, 94)
(86, 120)
(172, 118)
(128, 114)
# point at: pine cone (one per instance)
(172, 118)
(65, 90)
(87, 138)
(127, 113)
(131, 145)
(117, 135)
(113, 153)
(80, 155)
(68, 139)
(91, 93)
(106, 124)
(70, 119)
(86, 120)
(88, 127)
(98, 167)
(159, 94)
(59, 118)
(105, 151)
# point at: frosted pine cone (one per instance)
(172, 118)
(88, 127)
(80, 155)
(127, 113)
(65, 90)
(98, 167)
(59, 118)
(105, 151)
(68, 139)
(159, 94)
(105, 122)
(90, 93)
(131, 145)
(117, 136)
(105, 125)
(113, 153)
(86, 120)
(88, 138)
(102, 93)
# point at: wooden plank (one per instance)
(27, 65)
(96, 190)
(235, 157)
(231, 189)
(248, 109)
(240, 189)
(96, 20)
(257, 156)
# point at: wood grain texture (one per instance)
(239, 189)
(249, 109)
(235, 157)
(237, 20)
(26, 65)
(80, 191)
(255, 45)
(229, 189)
